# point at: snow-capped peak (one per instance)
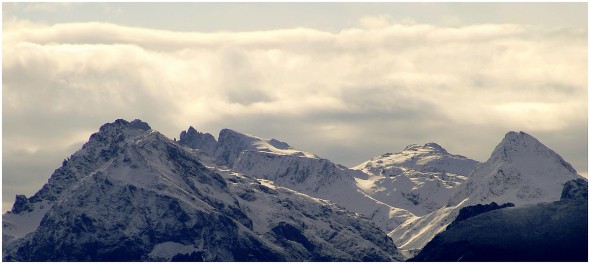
(430, 157)
(520, 170)
(420, 179)
(249, 142)
(99, 149)
(231, 143)
(95, 154)
(428, 147)
(521, 144)
(236, 139)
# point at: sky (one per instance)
(347, 81)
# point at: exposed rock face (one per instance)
(21, 204)
(576, 189)
(194, 139)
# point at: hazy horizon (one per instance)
(347, 81)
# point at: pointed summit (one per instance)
(521, 170)
(517, 145)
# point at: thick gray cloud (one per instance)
(347, 96)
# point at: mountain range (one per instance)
(132, 194)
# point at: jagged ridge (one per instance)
(301, 171)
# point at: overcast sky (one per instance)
(345, 81)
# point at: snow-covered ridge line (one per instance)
(421, 178)
(237, 141)
(429, 157)
(304, 172)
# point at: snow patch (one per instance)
(19, 225)
(365, 184)
(267, 183)
(169, 249)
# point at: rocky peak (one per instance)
(197, 140)
(21, 204)
(100, 149)
(138, 124)
(124, 124)
(119, 130)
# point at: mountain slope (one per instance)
(419, 179)
(520, 170)
(132, 194)
(556, 231)
(279, 163)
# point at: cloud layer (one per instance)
(347, 96)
